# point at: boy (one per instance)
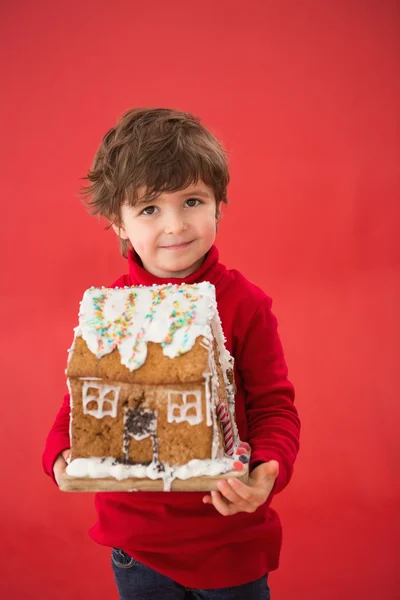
(159, 178)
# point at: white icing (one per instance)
(100, 399)
(70, 352)
(128, 318)
(99, 468)
(70, 409)
(198, 468)
(205, 343)
(179, 412)
(207, 383)
(213, 382)
(227, 364)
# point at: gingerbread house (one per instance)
(151, 384)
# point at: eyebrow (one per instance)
(141, 203)
(197, 193)
(186, 195)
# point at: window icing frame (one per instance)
(103, 389)
(185, 407)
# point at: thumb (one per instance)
(66, 454)
(267, 471)
(273, 469)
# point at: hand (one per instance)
(234, 496)
(61, 464)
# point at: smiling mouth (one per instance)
(176, 246)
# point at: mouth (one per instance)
(177, 246)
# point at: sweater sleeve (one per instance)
(273, 423)
(58, 438)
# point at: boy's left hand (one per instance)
(234, 496)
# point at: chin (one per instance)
(178, 266)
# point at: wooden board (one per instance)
(109, 484)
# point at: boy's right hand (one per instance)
(61, 464)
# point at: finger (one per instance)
(247, 493)
(273, 469)
(60, 464)
(222, 505)
(229, 493)
(58, 473)
(264, 472)
(207, 499)
(66, 454)
(59, 468)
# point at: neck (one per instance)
(209, 270)
(175, 274)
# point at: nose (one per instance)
(174, 223)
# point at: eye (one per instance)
(149, 210)
(192, 202)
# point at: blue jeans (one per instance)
(135, 581)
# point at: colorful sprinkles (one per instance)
(111, 332)
(181, 318)
(165, 316)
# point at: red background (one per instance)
(305, 96)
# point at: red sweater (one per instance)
(174, 532)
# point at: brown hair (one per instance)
(158, 149)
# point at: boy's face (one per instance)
(172, 233)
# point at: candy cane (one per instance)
(223, 416)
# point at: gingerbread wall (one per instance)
(178, 441)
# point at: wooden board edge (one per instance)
(109, 484)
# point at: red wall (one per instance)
(305, 95)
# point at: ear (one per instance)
(120, 231)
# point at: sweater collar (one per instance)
(211, 270)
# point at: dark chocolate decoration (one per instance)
(140, 422)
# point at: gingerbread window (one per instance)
(185, 406)
(99, 399)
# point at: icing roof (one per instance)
(127, 318)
